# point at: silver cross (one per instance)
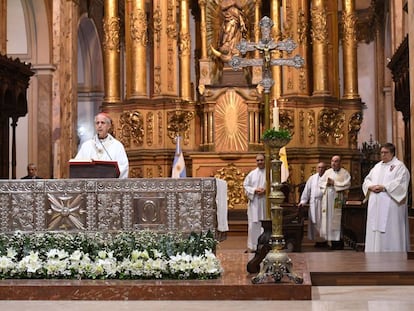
(266, 45)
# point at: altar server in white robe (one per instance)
(312, 194)
(385, 188)
(255, 187)
(103, 146)
(333, 184)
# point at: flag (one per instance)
(178, 167)
(285, 168)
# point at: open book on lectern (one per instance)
(79, 168)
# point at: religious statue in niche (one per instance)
(226, 31)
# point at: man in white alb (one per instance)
(103, 146)
(333, 185)
(313, 194)
(255, 187)
(386, 188)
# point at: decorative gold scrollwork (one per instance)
(236, 199)
(331, 123)
(132, 128)
(179, 124)
(353, 128)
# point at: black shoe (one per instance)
(337, 245)
(321, 245)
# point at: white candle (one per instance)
(275, 115)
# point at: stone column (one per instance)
(111, 52)
(185, 51)
(3, 27)
(349, 44)
(319, 33)
(136, 49)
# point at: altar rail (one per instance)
(158, 204)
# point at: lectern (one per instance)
(93, 169)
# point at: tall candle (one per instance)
(275, 115)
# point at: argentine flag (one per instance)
(178, 167)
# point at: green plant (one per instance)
(272, 133)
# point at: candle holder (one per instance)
(277, 263)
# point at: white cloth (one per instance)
(387, 215)
(221, 202)
(256, 210)
(332, 201)
(313, 194)
(105, 149)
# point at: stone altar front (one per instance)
(158, 204)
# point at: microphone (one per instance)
(104, 147)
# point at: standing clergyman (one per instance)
(255, 187)
(313, 194)
(386, 188)
(333, 184)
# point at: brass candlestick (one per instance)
(277, 263)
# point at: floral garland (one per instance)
(126, 255)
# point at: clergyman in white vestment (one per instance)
(103, 146)
(255, 187)
(385, 188)
(333, 184)
(313, 194)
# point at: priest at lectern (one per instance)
(104, 147)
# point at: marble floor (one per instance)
(378, 298)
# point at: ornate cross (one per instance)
(266, 45)
(276, 263)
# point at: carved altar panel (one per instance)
(163, 204)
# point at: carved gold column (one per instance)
(203, 28)
(65, 29)
(111, 51)
(165, 65)
(349, 44)
(185, 51)
(136, 48)
(257, 70)
(3, 27)
(319, 33)
(277, 36)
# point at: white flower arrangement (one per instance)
(127, 255)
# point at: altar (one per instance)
(159, 204)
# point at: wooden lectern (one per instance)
(93, 169)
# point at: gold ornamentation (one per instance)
(302, 79)
(111, 29)
(132, 128)
(348, 27)
(331, 123)
(353, 128)
(157, 18)
(157, 80)
(185, 44)
(139, 27)
(150, 128)
(230, 123)
(236, 199)
(179, 124)
(301, 126)
(311, 126)
(303, 28)
(288, 22)
(172, 27)
(319, 30)
(287, 122)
